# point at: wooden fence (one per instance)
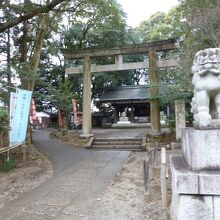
(151, 164)
(8, 148)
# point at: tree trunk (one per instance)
(8, 58)
(1, 139)
(35, 59)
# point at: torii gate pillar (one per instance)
(154, 103)
(87, 117)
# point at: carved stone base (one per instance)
(185, 181)
(201, 148)
(214, 124)
(195, 207)
(195, 195)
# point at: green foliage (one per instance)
(4, 120)
(99, 24)
(203, 19)
(168, 93)
(94, 23)
(50, 76)
(171, 122)
(25, 72)
(16, 12)
(199, 22)
(161, 26)
(196, 23)
(8, 165)
(158, 27)
(4, 96)
(62, 96)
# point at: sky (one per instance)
(140, 10)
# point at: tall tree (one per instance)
(161, 26)
(24, 11)
(203, 18)
(199, 22)
(92, 26)
(39, 21)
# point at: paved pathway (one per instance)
(80, 179)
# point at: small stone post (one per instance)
(87, 117)
(180, 117)
(154, 104)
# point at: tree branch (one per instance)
(35, 11)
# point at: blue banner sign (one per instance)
(19, 116)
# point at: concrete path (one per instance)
(81, 177)
(61, 155)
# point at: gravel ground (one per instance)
(126, 198)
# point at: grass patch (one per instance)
(8, 165)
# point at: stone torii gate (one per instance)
(152, 64)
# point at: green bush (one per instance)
(171, 122)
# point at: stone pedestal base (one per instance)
(185, 181)
(201, 148)
(195, 195)
(86, 136)
(195, 207)
(123, 119)
(123, 122)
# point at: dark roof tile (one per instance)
(124, 93)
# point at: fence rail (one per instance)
(7, 149)
(149, 165)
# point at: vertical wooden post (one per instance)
(132, 114)
(163, 177)
(87, 117)
(154, 104)
(116, 117)
(8, 155)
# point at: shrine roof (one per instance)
(140, 93)
(126, 93)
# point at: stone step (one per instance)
(117, 139)
(114, 143)
(113, 146)
(117, 142)
(111, 149)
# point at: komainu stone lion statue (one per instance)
(206, 81)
